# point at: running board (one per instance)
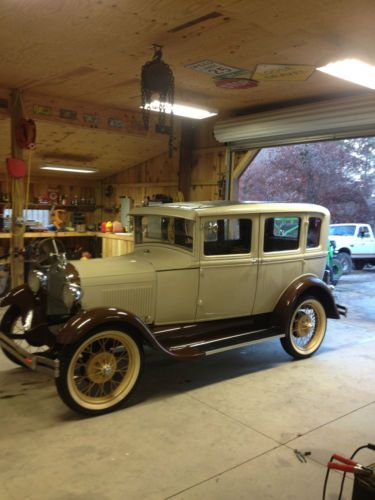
(214, 346)
(35, 362)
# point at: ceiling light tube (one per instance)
(352, 70)
(182, 110)
(66, 168)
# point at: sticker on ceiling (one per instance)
(286, 72)
(236, 80)
(224, 76)
(213, 68)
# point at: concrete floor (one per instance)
(220, 428)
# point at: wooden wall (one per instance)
(209, 164)
(160, 175)
(156, 176)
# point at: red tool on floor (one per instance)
(364, 477)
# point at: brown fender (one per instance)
(83, 322)
(304, 286)
(24, 299)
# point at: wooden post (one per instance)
(186, 158)
(17, 190)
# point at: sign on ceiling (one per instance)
(290, 72)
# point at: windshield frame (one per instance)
(168, 230)
(342, 230)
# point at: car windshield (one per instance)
(348, 230)
(174, 231)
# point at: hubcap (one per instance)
(304, 325)
(101, 367)
(308, 326)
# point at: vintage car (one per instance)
(203, 278)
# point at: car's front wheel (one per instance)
(345, 261)
(306, 330)
(100, 371)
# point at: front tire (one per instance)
(306, 329)
(346, 262)
(100, 371)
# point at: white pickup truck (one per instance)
(355, 244)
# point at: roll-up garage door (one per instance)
(323, 120)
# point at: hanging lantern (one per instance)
(157, 84)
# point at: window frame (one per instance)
(253, 250)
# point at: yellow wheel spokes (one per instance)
(308, 325)
(104, 369)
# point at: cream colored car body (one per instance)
(164, 283)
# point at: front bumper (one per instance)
(343, 311)
(35, 362)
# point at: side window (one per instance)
(227, 236)
(313, 232)
(281, 233)
(363, 232)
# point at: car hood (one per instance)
(340, 238)
(128, 281)
(110, 270)
(143, 261)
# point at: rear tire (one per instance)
(345, 261)
(100, 371)
(306, 329)
(358, 265)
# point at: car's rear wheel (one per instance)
(306, 329)
(359, 265)
(100, 371)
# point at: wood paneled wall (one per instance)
(160, 175)
(209, 164)
(156, 176)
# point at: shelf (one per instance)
(48, 206)
(52, 234)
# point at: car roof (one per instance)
(191, 210)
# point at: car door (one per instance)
(365, 242)
(282, 257)
(229, 267)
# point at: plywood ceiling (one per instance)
(92, 51)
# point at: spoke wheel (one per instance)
(98, 374)
(13, 326)
(307, 327)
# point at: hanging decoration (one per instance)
(157, 84)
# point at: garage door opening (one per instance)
(339, 175)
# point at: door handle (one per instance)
(253, 260)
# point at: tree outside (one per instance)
(339, 175)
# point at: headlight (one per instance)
(35, 280)
(71, 293)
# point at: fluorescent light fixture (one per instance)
(65, 168)
(182, 110)
(353, 70)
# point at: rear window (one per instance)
(281, 234)
(313, 232)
